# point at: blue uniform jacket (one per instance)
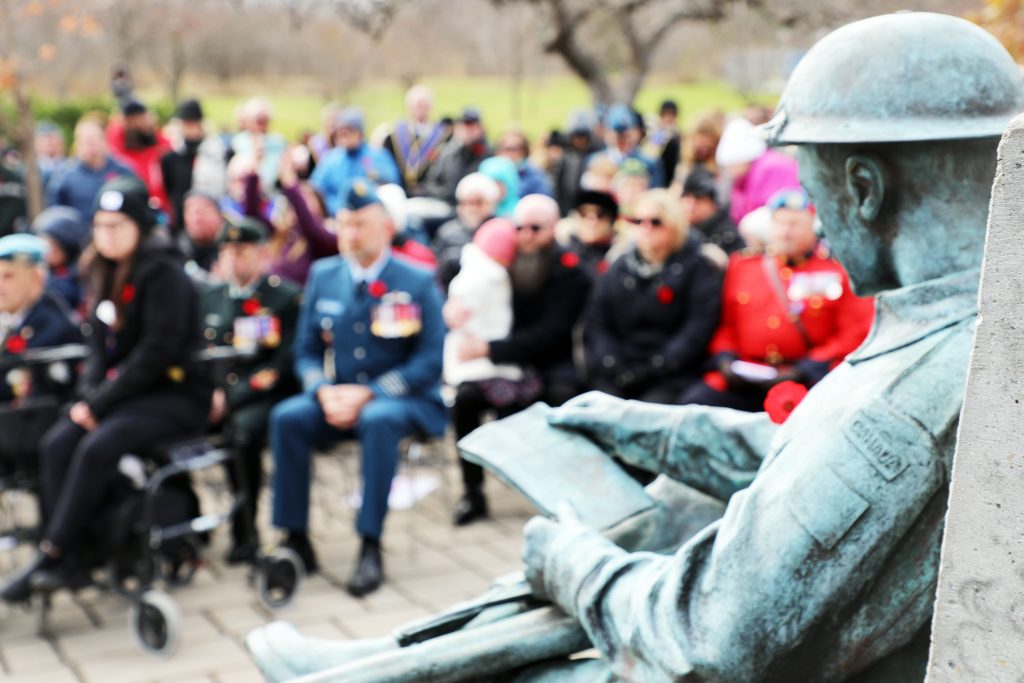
(336, 317)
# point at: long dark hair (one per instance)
(106, 279)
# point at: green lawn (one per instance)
(537, 106)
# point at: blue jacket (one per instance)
(76, 184)
(337, 317)
(532, 180)
(48, 323)
(334, 174)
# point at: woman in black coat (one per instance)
(141, 384)
(652, 316)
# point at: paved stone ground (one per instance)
(429, 565)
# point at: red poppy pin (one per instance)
(602, 267)
(782, 399)
(377, 289)
(665, 295)
(16, 343)
(570, 260)
(251, 306)
(128, 293)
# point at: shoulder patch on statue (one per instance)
(887, 440)
(825, 506)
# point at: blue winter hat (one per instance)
(65, 225)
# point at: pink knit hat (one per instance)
(497, 239)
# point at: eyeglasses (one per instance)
(654, 222)
(532, 226)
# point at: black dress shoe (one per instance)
(304, 549)
(18, 586)
(369, 572)
(469, 509)
(65, 574)
(241, 552)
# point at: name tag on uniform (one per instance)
(329, 306)
(254, 331)
(396, 316)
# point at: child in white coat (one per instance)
(484, 290)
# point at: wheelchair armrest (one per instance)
(67, 353)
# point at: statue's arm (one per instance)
(715, 450)
(793, 549)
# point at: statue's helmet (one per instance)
(903, 77)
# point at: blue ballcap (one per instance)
(619, 118)
(350, 117)
(361, 194)
(22, 248)
(790, 198)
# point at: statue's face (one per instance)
(864, 252)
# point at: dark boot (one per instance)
(244, 541)
(299, 542)
(17, 587)
(369, 571)
(66, 574)
(470, 508)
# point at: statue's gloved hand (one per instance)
(636, 432)
(559, 555)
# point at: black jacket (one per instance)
(48, 323)
(455, 162)
(643, 325)
(720, 231)
(543, 321)
(155, 348)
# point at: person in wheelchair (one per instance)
(30, 316)
(141, 385)
(254, 312)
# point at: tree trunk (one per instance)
(26, 143)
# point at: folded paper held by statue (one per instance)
(551, 466)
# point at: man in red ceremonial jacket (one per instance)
(786, 315)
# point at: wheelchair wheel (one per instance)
(178, 566)
(279, 577)
(155, 621)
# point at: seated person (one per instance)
(706, 216)
(549, 293)
(257, 312)
(651, 317)
(198, 242)
(368, 352)
(476, 200)
(483, 290)
(64, 230)
(592, 231)
(787, 315)
(30, 316)
(140, 386)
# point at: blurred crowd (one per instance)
(619, 253)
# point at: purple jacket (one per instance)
(769, 173)
(308, 241)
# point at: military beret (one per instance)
(127, 195)
(22, 248)
(243, 230)
(361, 194)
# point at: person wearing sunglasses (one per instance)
(653, 314)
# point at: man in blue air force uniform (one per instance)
(368, 352)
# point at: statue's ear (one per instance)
(866, 181)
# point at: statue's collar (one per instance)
(909, 314)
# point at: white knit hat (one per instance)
(741, 143)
